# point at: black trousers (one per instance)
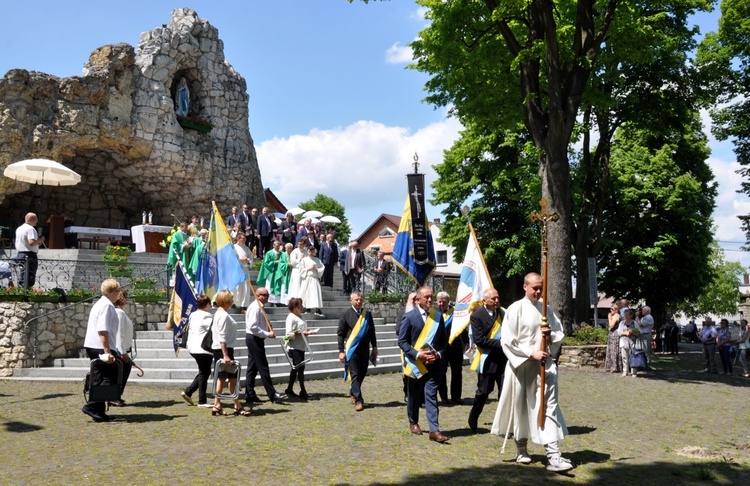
(28, 267)
(200, 382)
(102, 374)
(327, 280)
(298, 372)
(257, 362)
(265, 245)
(454, 360)
(354, 279)
(358, 365)
(485, 386)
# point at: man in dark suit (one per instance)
(252, 232)
(233, 219)
(490, 359)
(306, 228)
(382, 270)
(265, 231)
(355, 266)
(342, 267)
(329, 255)
(422, 361)
(289, 229)
(354, 351)
(454, 354)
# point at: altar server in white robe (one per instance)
(518, 408)
(312, 270)
(295, 259)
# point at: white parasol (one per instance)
(330, 219)
(296, 211)
(312, 214)
(43, 172)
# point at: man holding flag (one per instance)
(422, 339)
(489, 360)
(183, 303)
(356, 333)
(220, 267)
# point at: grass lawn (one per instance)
(672, 426)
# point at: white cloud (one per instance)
(398, 54)
(362, 166)
(419, 14)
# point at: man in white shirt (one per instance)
(647, 329)
(99, 343)
(27, 245)
(257, 331)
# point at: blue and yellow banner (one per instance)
(220, 267)
(403, 249)
(183, 303)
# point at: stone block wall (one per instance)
(60, 335)
(583, 356)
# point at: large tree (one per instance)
(330, 207)
(726, 54)
(536, 65)
(658, 218)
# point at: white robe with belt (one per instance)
(312, 270)
(295, 258)
(518, 407)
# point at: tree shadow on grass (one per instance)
(606, 471)
(21, 427)
(54, 395)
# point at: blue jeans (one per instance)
(726, 361)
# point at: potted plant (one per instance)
(194, 122)
(121, 270)
(374, 297)
(77, 295)
(38, 295)
(149, 295)
(142, 283)
(11, 294)
(118, 250)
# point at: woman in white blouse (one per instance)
(199, 324)
(224, 340)
(296, 327)
(123, 342)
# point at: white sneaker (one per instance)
(523, 459)
(559, 464)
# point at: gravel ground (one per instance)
(671, 426)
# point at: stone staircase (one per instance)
(154, 352)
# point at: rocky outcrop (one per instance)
(117, 126)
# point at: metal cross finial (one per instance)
(543, 216)
(416, 163)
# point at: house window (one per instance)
(442, 257)
(386, 232)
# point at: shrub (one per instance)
(587, 335)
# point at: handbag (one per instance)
(182, 337)
(208, 339)
(637, 359)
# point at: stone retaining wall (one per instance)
(60, 335)
(583, 356)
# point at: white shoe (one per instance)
(523, 459)
(559, 464)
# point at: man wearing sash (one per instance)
(489, 360)
(518, 409)
(454, 354)
(422, 339)
(356, 333)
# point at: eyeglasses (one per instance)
(261, 295)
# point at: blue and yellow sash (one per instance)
(481, 356)
(415, 368)
(448, 319)
(359, 331)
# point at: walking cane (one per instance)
(543, 217)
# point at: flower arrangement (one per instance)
(194, 122)
(121, 270)
(11, 294)
(168, 239)
(77, 295)
(38, 295)
(142, 282)
(118, 250)
(149, 295)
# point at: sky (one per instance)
(333, 107)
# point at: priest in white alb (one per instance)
(518, 408)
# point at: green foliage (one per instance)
(657, 220)
(585, 336)
(330, 207)
(118, 250)
(720, 295)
